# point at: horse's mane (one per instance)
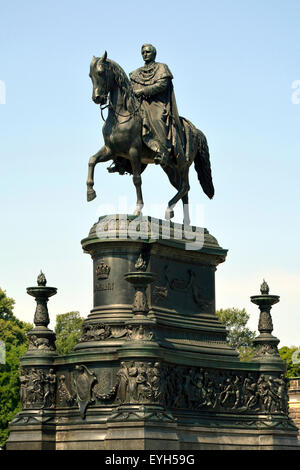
(123, 82)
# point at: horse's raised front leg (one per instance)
(137, 180)
(103, 155)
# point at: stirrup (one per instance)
(164, 160)
(113, 168)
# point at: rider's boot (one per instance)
(112, 169)
(162, 159)
(115, 167)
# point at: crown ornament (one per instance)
(102, 270)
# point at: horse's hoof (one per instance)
(138, 209)
(169, 214)
(91, 194)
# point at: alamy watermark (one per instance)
(147, 228)
(2, 92)
(123, 226)
(296, 357)
(2, 352)
(295, 98)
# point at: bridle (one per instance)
(111, 106)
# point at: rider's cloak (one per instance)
(162, 129)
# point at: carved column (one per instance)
(141, 382)
(265, 344)
(41, 338)
(140, 280)
(140, 327)
(37, 376)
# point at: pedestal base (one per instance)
(179, 435)
(153, 369)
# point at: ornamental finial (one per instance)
(141, 264)
(41, 279)
(264, 288)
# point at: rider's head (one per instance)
(148, 53)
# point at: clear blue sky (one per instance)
(234, 63)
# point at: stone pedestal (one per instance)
(153, 369)
(294, 402)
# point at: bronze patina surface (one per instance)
(153, 368)
(143, 127)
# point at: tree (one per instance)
(288, 356)
(13, 335)
(68, 331)
(6, 306)
(239, 335)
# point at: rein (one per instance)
(101, 110)
(110, 105)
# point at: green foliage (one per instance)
(13, 334)
(6, 306)
(286, 353)
(239, 335)
(68, 331)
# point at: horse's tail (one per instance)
(202, 166)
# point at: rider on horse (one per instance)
(139, 129)
(161, 130)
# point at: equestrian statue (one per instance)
(143, 126)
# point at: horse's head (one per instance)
(100, 77)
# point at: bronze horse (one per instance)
(122, 132)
